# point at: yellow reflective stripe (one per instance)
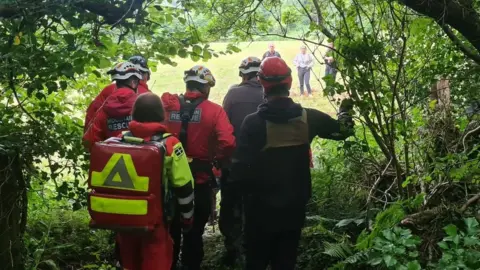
(133, 139)
(179, 172)
(120, 173)
(119, 206)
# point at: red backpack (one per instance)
(126, 184)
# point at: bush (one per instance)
(59, 238)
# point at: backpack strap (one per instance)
(128, 137)
(187, 108)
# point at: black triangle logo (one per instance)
(119, 176)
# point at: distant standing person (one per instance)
(304, 63)
(271, 52)
(331, 67)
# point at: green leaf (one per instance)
(471, 241)
(206, 55)
(388, 234)
(51, 264)
(52, 87)
(414, 265)
(97, 73)
(443, 245)
(197, 49)
(471, 223)
(182, 20)
(63, 85)
(389, 260)
(451, 230)
(103, 63)
(375, 261)
(182, 53)
(70, 39)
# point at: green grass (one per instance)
(225, 70)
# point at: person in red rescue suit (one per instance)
(113, 117)
(154, 251)
(100, 99)
(207, 135)
(271, 166)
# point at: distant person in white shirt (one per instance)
(304, 63)
(271, 52)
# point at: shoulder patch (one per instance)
(178, 150)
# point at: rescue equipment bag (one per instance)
(126, 182)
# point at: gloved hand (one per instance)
(345, 115)
(187, 224)
(346, 105)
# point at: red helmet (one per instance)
(274, 71)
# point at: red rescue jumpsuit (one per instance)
(209, 137)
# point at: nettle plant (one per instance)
(461, 249)
(395, 249)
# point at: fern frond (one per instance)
(338, 250)
(356, 258)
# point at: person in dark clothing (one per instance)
(271, 167)
(271, 52)
(331, 68)
(240, 101)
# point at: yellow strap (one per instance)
(119, 206)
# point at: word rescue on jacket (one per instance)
(115, 124)
(175, 116)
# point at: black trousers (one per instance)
(231, 217)
(277, 249)
(192, 246)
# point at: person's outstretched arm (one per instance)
(181, 178)
(322, 125)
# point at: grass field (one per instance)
(225, 70)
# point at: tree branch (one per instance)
(111, 13)
(458, 14)
(462, 47)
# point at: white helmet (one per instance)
(199, 74)
(250, 64)
(125, 70)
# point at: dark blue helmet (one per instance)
(140, 61)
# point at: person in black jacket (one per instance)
(271, 167)
(240, 101)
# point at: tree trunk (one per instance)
(13, 213)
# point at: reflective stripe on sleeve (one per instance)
(186, 200)
(188, 215)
